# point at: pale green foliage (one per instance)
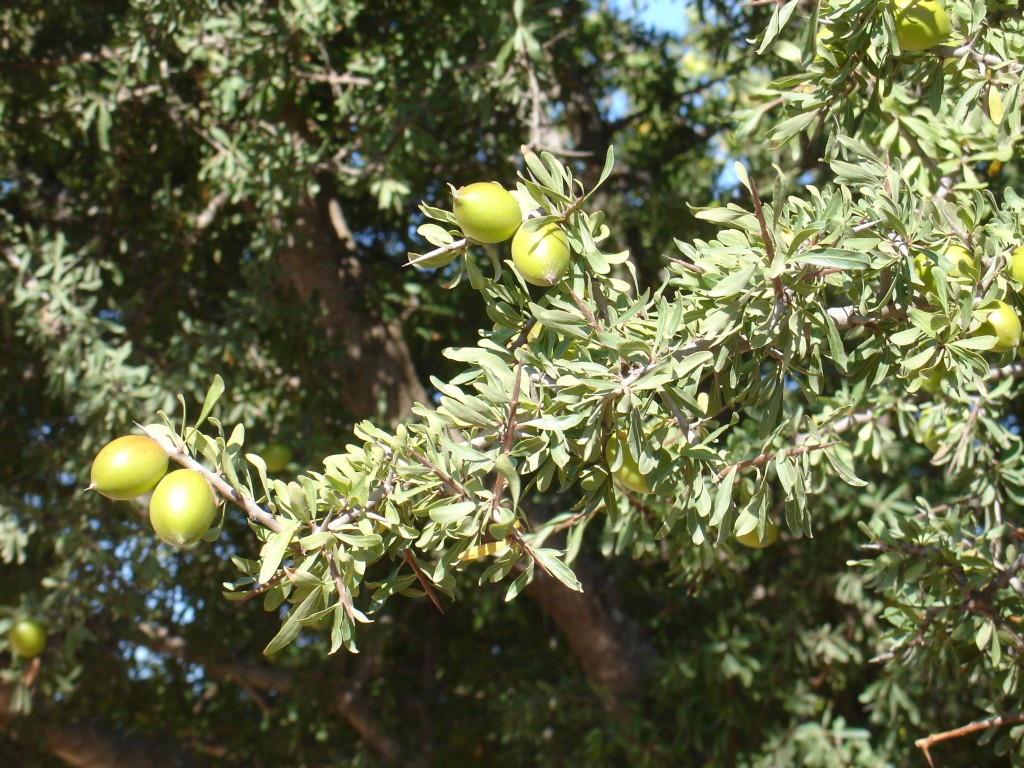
(770, 352)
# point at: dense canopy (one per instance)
(738, 485)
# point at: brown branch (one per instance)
(457, 489)
(764, 458)
(929, 741)
(92, 744)
(422, 578)
(685, 264)
(1013, 370)
(610, 649)
(587, 314)
(374, 371)
(259, 589)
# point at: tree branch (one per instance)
(91, 744)
(929, 741)
(261, 677)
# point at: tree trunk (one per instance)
(607, 643)
(320, 264)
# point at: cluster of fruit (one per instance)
(182, 506)
(488, 213)
(1000, 319)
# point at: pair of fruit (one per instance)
(921, 24)
(488, 213)
(1001, 320)
(627, 471)
(182, 507)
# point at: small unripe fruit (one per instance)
(486, 212)
(962, 267)
(921, 24)
(1017, 264)
(27, 638)
(628, 472)
(750, 539)
(277, 457)
(1003, 323)
(128, 467)
(540, 252)
(182, 508)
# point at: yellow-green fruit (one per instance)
(921, 24)
(277, 457)
(540, 252)
(962, 267)
(628, 472)
(182, 508)
(1017, 264)
(128, 467)
(1003, 323)
(486, 212)
(27, 638)
(750, 539)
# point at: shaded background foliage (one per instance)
(202, 187)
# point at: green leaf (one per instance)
(520, 582)
(434, 234)
(212, 396)
(834, 258)
(447, 514)
(274, 549)
(723, 498)
(835, 342)
(505, 466)
(734, 283)
(293, 624)
(550, 561)
(733, 216)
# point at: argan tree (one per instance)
(715, 461)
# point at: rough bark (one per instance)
(608, 645)
(320, 264)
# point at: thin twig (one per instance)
(764, 458)
(422, 578)
(587, 314)
(927, 742)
